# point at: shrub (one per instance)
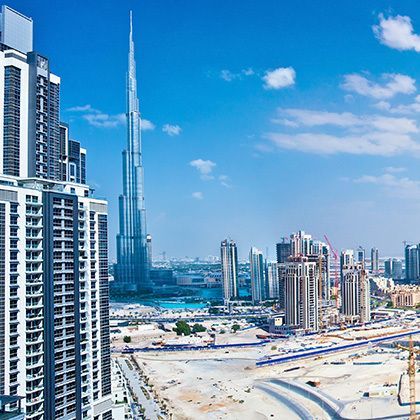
(198, 328)
(182, 328)
(235, 327)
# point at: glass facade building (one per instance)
(132, 272)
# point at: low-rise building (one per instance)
(405, 296)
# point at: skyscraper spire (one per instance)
(132, 269)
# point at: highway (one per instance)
(344, 347)
(190, 317)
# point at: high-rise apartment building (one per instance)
(229, 262)
(72, 158)
(54, 303)
(346, 258)
(132, 272)
(301, 294)
(258, 280)
(355, 293)
(33, 142)
(374, 260)
(302, 244)
(54, 296)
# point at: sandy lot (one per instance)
(226, 385)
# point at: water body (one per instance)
(200, 298)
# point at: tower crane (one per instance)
(336, 259)
(412, 353)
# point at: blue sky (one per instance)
(267, 117)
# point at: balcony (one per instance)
(6, 412)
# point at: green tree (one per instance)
(235, 327)
(127, 339)
(182, 328)
(198, 328)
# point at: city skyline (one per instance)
(210, 99)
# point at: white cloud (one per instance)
(394, 83)
(348, 133)
(225, 181)
(229, 76)
(394, 169)
(82, 108)
(172, 130)
(100, 119)
(396, 125)
(383, 105)
(374, 143)
(403, 187)
(248, 72)
(204, 167)
(297, 117)
(147, 125)
(279, 78)
(305, 117)
(411, 108)
(397, 32)
(198, 195)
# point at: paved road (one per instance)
(152, 410)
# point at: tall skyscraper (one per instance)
(272, 280)
(302, 244)
(412, 263)
(355, 293)
(132, 269)
(388, 267)
(397, 270)
(257, 270)
(374, 260)
(149, 250)
(283, 250)
(301, 294)
(346, 258)
(229, 261)
(54, 303)
(360, 254)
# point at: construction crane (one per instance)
(412, 352)
(336, 259)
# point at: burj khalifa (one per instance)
(132, 268)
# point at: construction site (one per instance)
(363, 373)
